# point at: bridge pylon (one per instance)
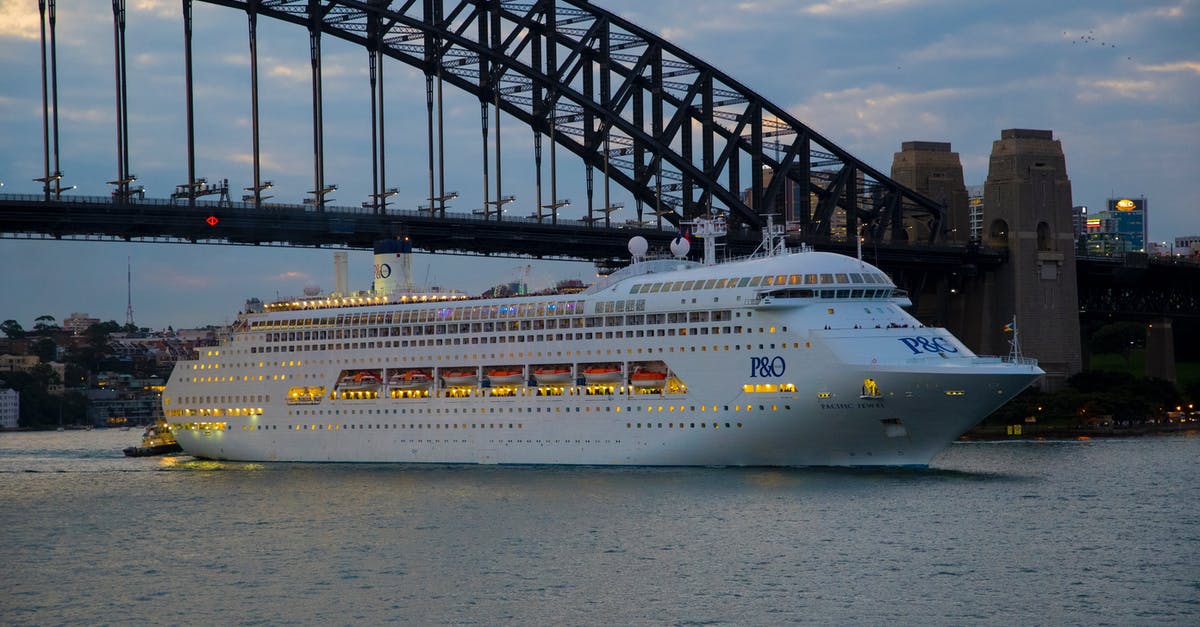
(1027, 210)
(947, 298)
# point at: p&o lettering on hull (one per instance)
(767, 367)
(923, 344)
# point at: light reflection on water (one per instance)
(1032, 532)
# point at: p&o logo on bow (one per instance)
(922, 344)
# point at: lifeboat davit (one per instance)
(647, 379)
(505, 376)
(602, 374)
(460, 378)
(411, 380)
(553, 374)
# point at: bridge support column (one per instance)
(1027, 210)
(1160, 350)
(187, 91)
(932, 169)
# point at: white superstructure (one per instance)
(793, 358)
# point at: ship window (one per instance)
(720, 283)
(826, 279)
(856, 294)
(754, 281)
(708, 285)
(843, 293)
(856, 277)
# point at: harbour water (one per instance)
(1095, 532)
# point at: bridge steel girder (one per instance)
(1138, 288)
(603, 63)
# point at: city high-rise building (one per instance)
(790, 207)
(1120, 229)
(1188, 245)
(975, 212)
(10, 407)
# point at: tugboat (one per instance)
(156, 440)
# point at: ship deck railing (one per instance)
(1018, 360)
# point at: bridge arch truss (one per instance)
(681, 136)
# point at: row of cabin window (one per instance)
(839, 293)
(761, 281)
(478, 312)
(501, 327)
(502, 339)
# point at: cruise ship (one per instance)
(785, 358)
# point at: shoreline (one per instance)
(1034, 431)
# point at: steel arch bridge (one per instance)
(681, 136)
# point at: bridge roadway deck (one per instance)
(161, 220)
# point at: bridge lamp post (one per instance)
(318, 198)
(380, 200)
(553, 207)
(46, 181)
(123, 190)
(499, 202)
(256, 196)
(437, 204)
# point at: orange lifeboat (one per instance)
(460, 378)
(506, 376)
(552, 374)
(647, 379)
(602, 374)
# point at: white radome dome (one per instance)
(638, 246)
(680, 247)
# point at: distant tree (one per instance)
(12, 329)
(45, 349)
(1192, 392)
(44, 324)
(1091, 381)
(90, 354)
(38, 407)
(1118, 337)
(77, 373)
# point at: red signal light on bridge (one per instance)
(211, 220)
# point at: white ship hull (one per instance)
(777, 381)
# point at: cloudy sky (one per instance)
(1117, 81)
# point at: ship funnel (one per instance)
(393, 266)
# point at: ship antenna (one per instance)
(129, 291)
(1015, 342)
